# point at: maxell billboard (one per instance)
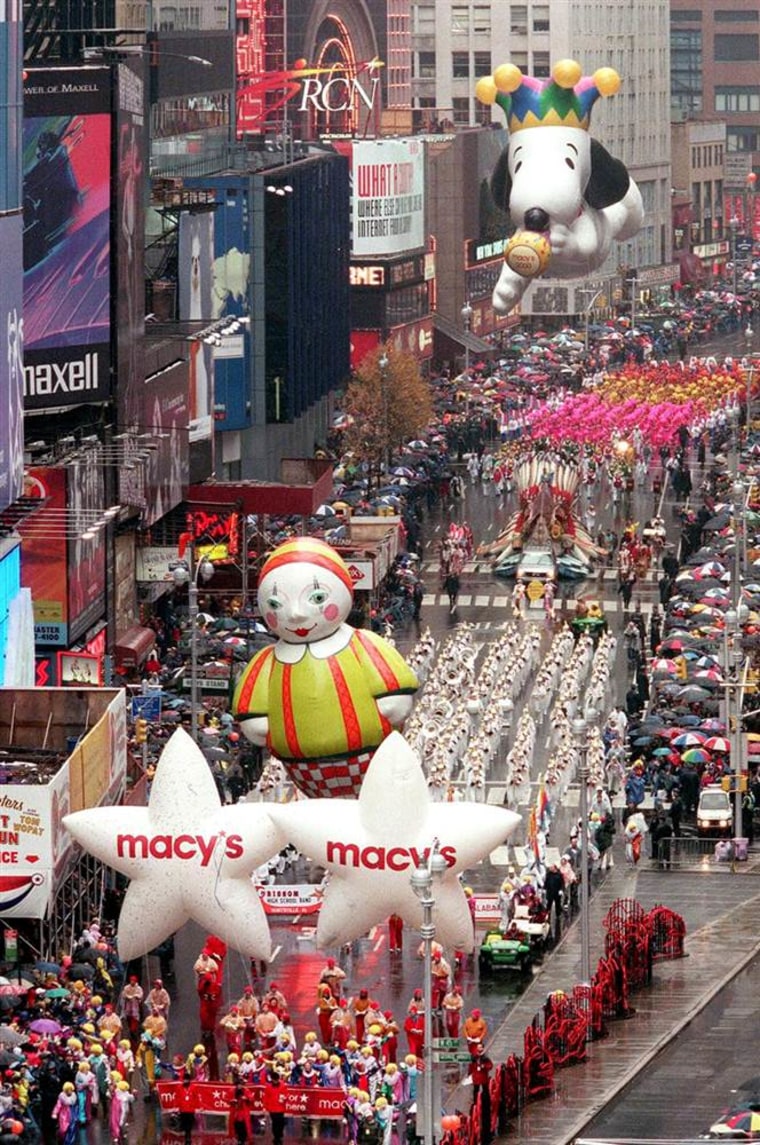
(67, 244)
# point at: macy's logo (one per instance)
(186, 847)
(383, 858)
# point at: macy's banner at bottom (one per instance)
(213, 1097)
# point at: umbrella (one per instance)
(236, 642)
(691, 721)
(666, 666)
(10, 1037)
(57, 992)
(745, 1121)
(689, 739)
(48, 967)
(45, 1026)
(695, 755)
(325, 511)
(659, 750)
(709, 569)
(692, 693)
(12, 989)
(642, 741)
(717, 743)
(712, 726)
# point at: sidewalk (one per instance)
(679, 991)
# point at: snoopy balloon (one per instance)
(325, 695)
(567, 197)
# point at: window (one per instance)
(737, 98)
(518, 20)
(686, 16)
(686, 70)
(481, 20)
(460, 65)
(461, 111)
(424, 19)
(541, 18)
(482, 63)
(727, 49)
(735, 16)
(460, 20)
(742, 139)
(426, 65)
(541, 65)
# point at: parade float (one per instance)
(546, 521)
(328, 697)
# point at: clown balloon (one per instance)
(326, 695)
(566, 196)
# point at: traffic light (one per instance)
(141, 730)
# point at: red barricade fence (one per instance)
(668, 933)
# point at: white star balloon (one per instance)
(187, 856)
(371, 845)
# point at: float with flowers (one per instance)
(657, 398)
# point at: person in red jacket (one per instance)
(273, 1105)
(480, 1074)
(414, 1027)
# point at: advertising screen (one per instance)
(86, 554)
(43, 568)
(388, 214)
(131, 165)
(11, 363)
(195, 281)
(67, 246)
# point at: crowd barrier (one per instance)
(559, 1033)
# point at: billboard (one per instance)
(129, 231)
(11, 66)
(67, 244)
(43, 567)
(11, 362)
(86, 556)
(195, 279)
(387, 202)
(165, 407)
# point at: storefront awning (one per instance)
(133, 646)
(464, 338)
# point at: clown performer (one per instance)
(325, 696)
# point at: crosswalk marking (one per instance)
(483, 568)
(466, 600)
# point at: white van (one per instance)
(714, 812)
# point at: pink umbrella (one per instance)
(717, 743)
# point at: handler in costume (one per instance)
(326, 695)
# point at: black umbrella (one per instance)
(81, 970)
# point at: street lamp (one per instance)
(733, 223)
(383, 363)
(466, 313)
(587, 312)
(422, 885)
(190, 574)
(580, 733)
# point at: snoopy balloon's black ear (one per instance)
(609, 180)
(501, 182)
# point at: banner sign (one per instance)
(487, 908)
(300, 898)
(388, 196)
(211, 1097)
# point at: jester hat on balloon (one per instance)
(565, 100)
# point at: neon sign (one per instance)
(321, 89)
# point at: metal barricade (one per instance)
(686, 851)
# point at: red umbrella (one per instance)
(717, 743)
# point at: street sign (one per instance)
(446, 1043)
(11, 944)
(147, 707)
(442, 1057)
